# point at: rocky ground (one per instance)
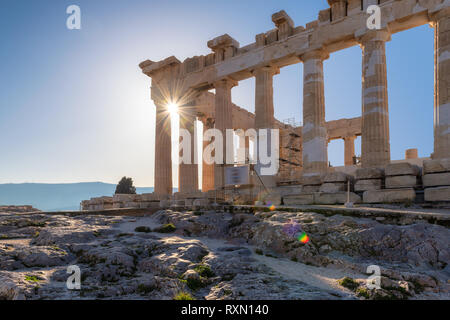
(220, 255)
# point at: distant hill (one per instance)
(56, 197)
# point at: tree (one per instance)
(125, 186)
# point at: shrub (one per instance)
(167, 228)
(125, 186)
(142, 229)
(349, 283)
(183, 296)
(204, 271)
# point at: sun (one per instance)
(172, 108)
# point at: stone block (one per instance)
(336, 177)
(369, 173)
(335, 198)
(310, 189)
(389, 196)
(436, 166)
(117, 205)
(199, 203)
(437, 194)
(436, 179)
(315, 180)
(177, 203)
(273, 199)
(149, 197)
(164, 204)
(400, 169)
(331, 187)
(124, 197)
(395, 182)
(131, 204)
(369, 184)
(300, 199)
(148, 205)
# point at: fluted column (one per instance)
(208, 169)
(375, 143)
(315, 153)
(188, 173)
(441, 23)
(224, 121)
(163, 151)
(264, 113)
(349, 146)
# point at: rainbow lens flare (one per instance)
(271, 206)
(303, 238)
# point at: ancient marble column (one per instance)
(208, 169)
(188, 172)
(264, 114)
(441, 23)
(315, 153)
(375, 143)
(224, 121)
(163, 151)
(349, 147)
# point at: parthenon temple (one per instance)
(305, 176)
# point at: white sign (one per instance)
(237, 175)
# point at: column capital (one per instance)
(268, 69)
(373, 35)
(226, 82)
(349, 138)
(321, 54)
(437, 15)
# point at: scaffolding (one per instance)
(290, 151)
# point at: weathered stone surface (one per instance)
(404, 168)
(436, 179)
(336, 177)
(369, 173)
(389, 196)
(369, 184)
(335, 198)
(436, 166)
(119, 262)
(331, 187)
(310, 189)
(312, 180)
(299, 199)
(437, 194)
(395, 182)
(149, 197)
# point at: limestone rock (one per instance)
(437, 194)
(389, 196)
(300, 199)
(336, 177)
(436, 166)
(394, 182)
(369, 184)
(331, 187)
(436, 179)
(369, 173)
(403, 168)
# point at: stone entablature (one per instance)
(274, 48)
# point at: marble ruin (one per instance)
(305, 176)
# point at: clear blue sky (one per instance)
(74, 105)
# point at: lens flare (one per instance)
(303, 238)
(172, 108)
